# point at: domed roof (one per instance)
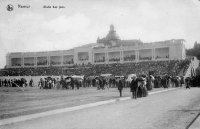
(112, 34)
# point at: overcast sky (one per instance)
(82, 21)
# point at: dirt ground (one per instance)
(16, 102)
(173, 109)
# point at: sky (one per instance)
(81, 21)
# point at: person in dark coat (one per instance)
(134, 88)
(41, 83)
(31, 83)
(100, 83)
(142, 89)
(149, 84)
(72, 83)
(104, 82)
(120, 87)
(187, 83)
(93, 82)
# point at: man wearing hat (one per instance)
(134, 87)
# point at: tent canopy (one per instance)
(106, 75)
(130, 76)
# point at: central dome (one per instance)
(111, 37)
(112, 34)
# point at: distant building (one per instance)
(110, 49)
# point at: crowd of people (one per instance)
(20, 82)
(129, 58)
(68, 61)
(100, 60)
(192, 81)
(139, 85)
(101, 82)
(171, 67)
(115, 59)
(145, 58)
(149, 74)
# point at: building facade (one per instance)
(110, 49)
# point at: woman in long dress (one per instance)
(142, 89)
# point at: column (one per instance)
(121, 57)
(137, 55)
(93, 60)
(61, 60)
(107, 58)
(153, 54)
(76, 58)
(35, 61)
(135, 60)
(48, 61)
(22, 61)
(90, 60)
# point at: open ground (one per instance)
(29, 100)
(174, 109)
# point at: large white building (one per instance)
(110, 49)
